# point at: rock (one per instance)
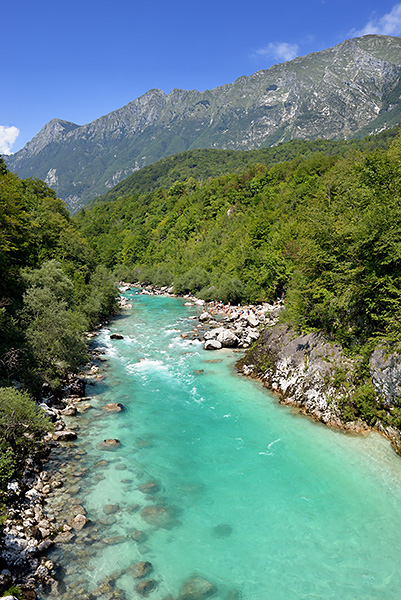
(69, 411)
(140, 569)
(252, 320)
(79, 522)
(116, 336)
(138, 536)
(114, 540)
(212, 345)
(111, 509)
(64, 436)
(28, 593)
(159, 516)
(149, 488)
(227, 339)
(110, 444)
(205, 316)
(64, 538)
(145, 587)
(196, 588)
(45, 545)
(222, 530)
(385, 370)
(113, 407)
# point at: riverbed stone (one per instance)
(145, 587)
(79, 522)
(196, 588)
(140, 569)
(111, 509)
(116, 336)
(158, 516)
(109, 444)
(113, 407)
(149, 488)
(138, 536)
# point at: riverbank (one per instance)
(314, 375)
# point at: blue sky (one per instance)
(80, 59)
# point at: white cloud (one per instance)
(8, 135)
(278, 50)
(388, 24)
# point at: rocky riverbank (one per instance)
(314, 375)
(28, 534)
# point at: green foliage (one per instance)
(22, 427)
(47, 276)
(15, 591)
(52, 326)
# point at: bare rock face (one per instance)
(385, 370)
(301, 370)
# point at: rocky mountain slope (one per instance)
(346, 91)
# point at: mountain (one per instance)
(347, 91)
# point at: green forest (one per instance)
(323, 229)
(52, 290)
(318, 225)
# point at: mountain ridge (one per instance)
(337, 93)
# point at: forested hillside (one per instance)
(51, 287)
(207, 163)
(325, 230)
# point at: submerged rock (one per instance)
(145, 587)
(139, 536)
(222, 530)
(149, 488)
(116, 336)
(158, 516)
(110, 444)
(113, 407)
(196, 588)
(140, 569)
(110, 509)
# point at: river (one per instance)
(215, 479)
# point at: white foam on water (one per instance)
(146, 364)
(268, 452)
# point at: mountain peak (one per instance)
(349, 90)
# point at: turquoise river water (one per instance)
(263, 503)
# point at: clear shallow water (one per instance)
(261, 502)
